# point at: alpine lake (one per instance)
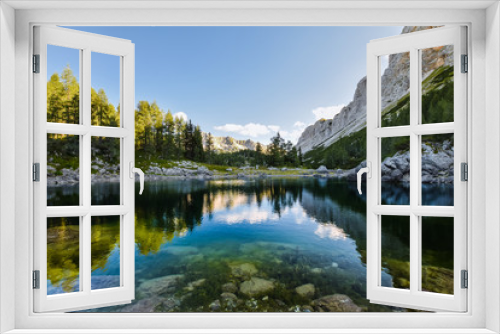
(276, 244)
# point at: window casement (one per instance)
(450, 130)
(76, 218)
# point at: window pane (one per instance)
(105, 171)
(395, 89)
(437, 254)
(105, 102)
(395, 171)
(105, 252)
(438, 169)
(63, 85)
(63, 170)
(63, 255)
(395, 252)
(437, 84)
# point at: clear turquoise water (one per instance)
(286, 231)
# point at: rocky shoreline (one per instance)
(437, 167)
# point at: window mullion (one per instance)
(414, 170)
(85, 247)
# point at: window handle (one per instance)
(368, 171)
(134, 170)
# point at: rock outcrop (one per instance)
(437, 165)
(395, 84)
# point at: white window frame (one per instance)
(484, 51)
(85, 44)
(414, 297)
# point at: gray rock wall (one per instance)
(395, 84)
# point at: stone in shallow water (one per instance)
(147, 305)
(229, 287)
(335, 303)
(255, 286)
(243, 269)
(160, 285)
(306, 290)
(225, 296)
(191, 285)
(215, 305)
(316, 270)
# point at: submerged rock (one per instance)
(192, 285)
(256, 285)
(147, 305)
(316, 270)
(306, 290)
(229, 287)
(335, 303)
(160, 285)
(225, 296)
(243, 269)
(215, 305)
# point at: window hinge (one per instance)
(465, 63)
(36, 172)
(464, 171)
(36, 63)
(465, 279)
(36, 279)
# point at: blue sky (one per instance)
(246, 82)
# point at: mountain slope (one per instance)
(395, 85)
(437, 106)
(229, 144)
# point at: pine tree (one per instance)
(210, 147)
(71, 99)
(169, 147)
(157, 115)
(276, 151)
(179, 136)
(188, 141)
(198, 152)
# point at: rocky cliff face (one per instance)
(229, 144)
(395, 84)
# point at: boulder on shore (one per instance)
(322, 169)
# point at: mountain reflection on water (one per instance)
(275, 244)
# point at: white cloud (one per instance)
(181, 114)
(327, 112)
(251, 129)
(292, 136)
(274, 128)
(257, 130)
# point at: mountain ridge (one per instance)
(230, 144)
